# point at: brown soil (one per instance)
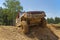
(36, 33)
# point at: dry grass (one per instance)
(36, 33)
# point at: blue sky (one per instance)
(51, 7)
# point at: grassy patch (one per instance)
(57, 26)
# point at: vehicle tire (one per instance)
(24, 27)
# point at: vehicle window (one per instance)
(35, 15)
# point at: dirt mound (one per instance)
(56, 29)
(36, 33)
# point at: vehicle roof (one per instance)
(35, 12)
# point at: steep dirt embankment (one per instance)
(36, 33)
(55, 28)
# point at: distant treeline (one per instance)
(55, 20)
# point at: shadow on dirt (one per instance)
(42, 34)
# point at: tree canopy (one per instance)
(55, 20)
(12, 7)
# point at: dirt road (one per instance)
(36, 33)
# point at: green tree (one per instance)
(57, 20)
(1, 15)
(50, 20)
(12, 7)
